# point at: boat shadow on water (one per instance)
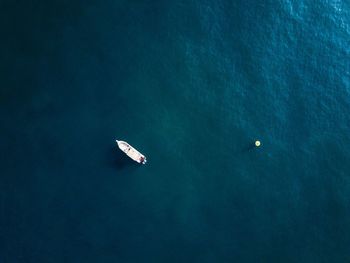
(247, 148)
(119, 160)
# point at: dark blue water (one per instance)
(192, 84)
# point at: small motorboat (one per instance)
(131, 152)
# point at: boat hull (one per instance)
(131, 152)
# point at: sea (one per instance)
(192, 84)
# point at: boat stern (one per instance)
(143, 160)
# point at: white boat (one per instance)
(131, 152)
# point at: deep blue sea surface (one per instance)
(192, 84)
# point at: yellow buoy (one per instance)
(257, 143)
